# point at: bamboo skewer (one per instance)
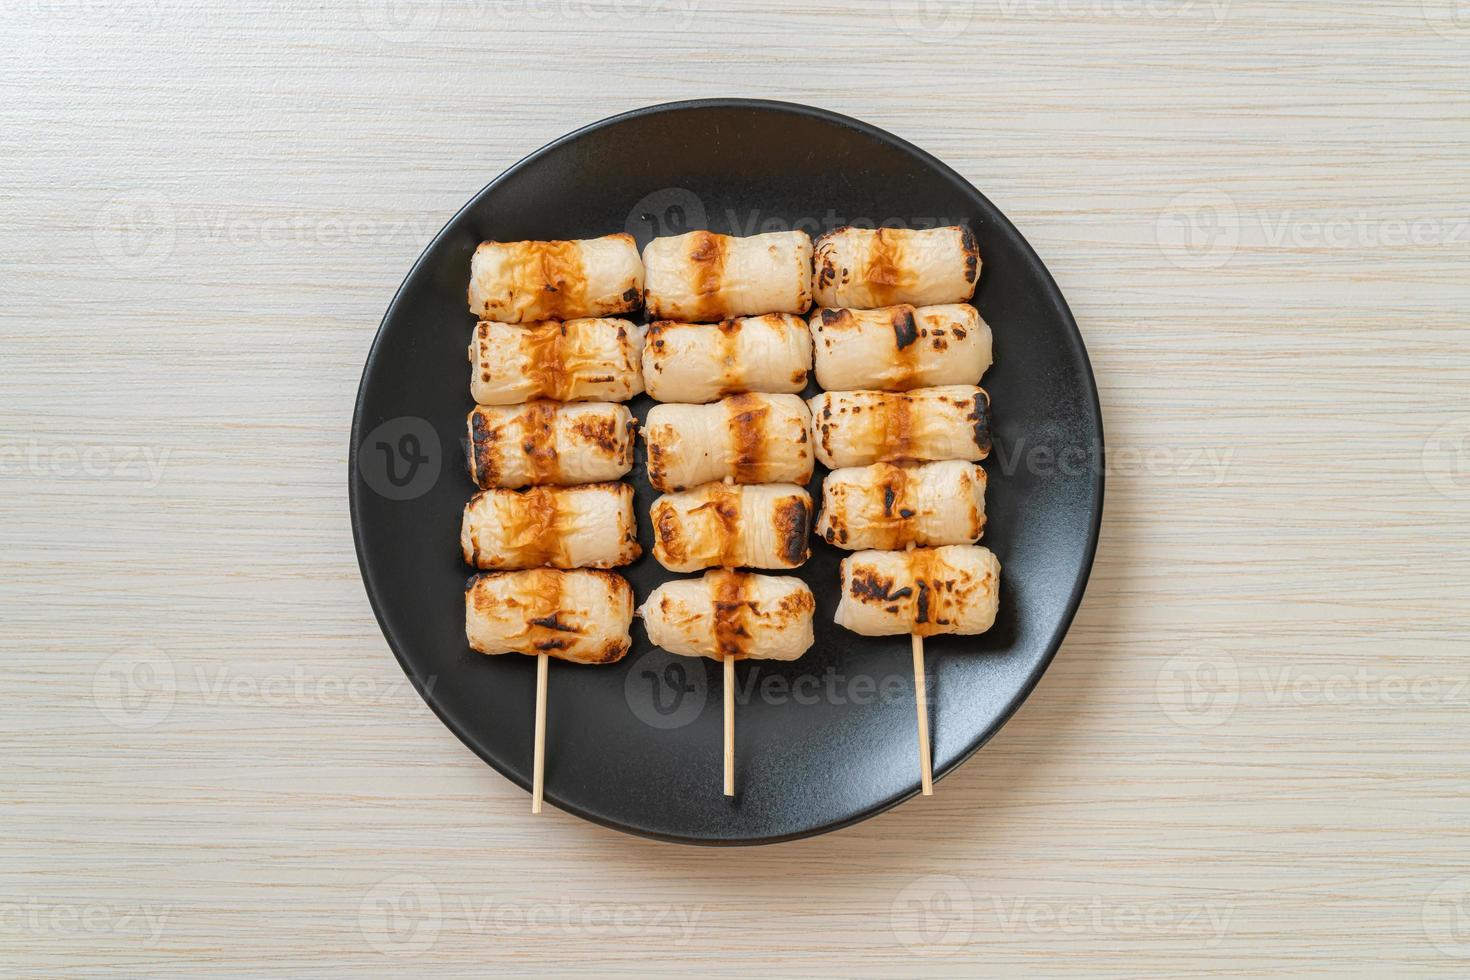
(921, 705)
(538, 763)
(729, 726)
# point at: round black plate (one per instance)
(821, 742)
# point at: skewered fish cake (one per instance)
(897, 348)
(890, 507)
(517, 282)
(581, 615)
(753, 438)
(700, 362)
(864, 268)
(545, 442)
(587, 359)
(735, 615)
(586, 526)
(718, 525)
(705, 277)
(953, 589)
(857, 428)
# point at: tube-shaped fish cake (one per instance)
(754, 438)
(699, 362)
(729, 614)
(581, 615)
(718, 525)
(954, 589)
(864, 268)
(898, 348)
(588, 526)
(705, 277)
(890, 507)
(516, 282)
(545, 442)
(858, 428)
(587, 359)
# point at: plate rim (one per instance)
(1074, 600)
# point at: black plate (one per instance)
(822, 742)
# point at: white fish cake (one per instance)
(588, 359)
(866, 268)
(545, 442)
(702, 277)
(700, 362)
(732, 526)
(898, 348)
(732, 615)
(889, 506)
(587, 526)
(751, 438)
(859, 428)
(926, 591)
(517, 282)
(581, 615)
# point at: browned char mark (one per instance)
(793, 519)
(707, 272)
(539, 441)
(979, 418)
(884, 267)
(971, 251)
(749, 420)
(557, 272)
(482, 454)
(731, 605)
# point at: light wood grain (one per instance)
(1249, 756)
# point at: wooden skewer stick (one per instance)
(729, 726)
(921, 702)
(921, 705)
(538, 763)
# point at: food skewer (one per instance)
(921, 706)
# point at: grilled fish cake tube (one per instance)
(858, 428)
(716, 525)
(700, 362)
(897, 348)
(865, 268)
(889, 507)
(545, 442)
(517, 282)
(588, 526)
(705, 277)
(753, 438)
(587, 359)
(729, 614)
(580, 615)
(954, 589)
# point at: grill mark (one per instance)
(749, 420)
(543, 603)
(672, 544)
(971, 251)
(707, 273)
(793, 522)
(883, 271)
(727, 343)
(556, 272)
(979, 418)
(730, 597)
(482, 455)
(538, 428)
(897, 412)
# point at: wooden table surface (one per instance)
(1250, 754)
